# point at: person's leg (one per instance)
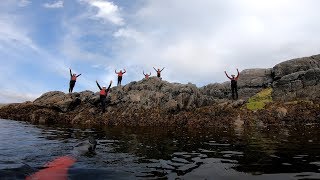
(236, 91)
(232, 90)
(118, 81)
(71, 86)
(103, 104)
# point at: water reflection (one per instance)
(230, 152)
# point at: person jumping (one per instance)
(103, 95)
(146, 75)
(234, 86)
(158, 72)
(72, 80)
(120, 74)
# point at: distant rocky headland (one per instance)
(287, 93)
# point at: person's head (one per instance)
(104, 87)
(233, 75)
(158, 69)
(93, 144)
(74, 74)
(120, 71)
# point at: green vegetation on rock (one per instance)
(259, 100)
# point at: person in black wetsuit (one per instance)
(234, 86)
(146, 75)
(158, 72)
(73, 79)
(103, 95)
(120, 74)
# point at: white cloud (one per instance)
(129, 33)
(17, 96)
(54, 5)
(13, 36)
(105, 10)
(18, 48)
(197, 41)
(24, 3)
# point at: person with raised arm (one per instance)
(120, 74)
(73, 79)
(103, 95)
(234, 86)
(146, 75)
(158, 72)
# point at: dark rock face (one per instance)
(297, 79)
(155, 93)
(299, 85)
(296, 65)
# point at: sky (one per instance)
(195, 40)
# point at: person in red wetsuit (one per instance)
(58, 168)
(54, 170)
(120, 74)
(103, 95)
(146, 75)
(234, 86)
(158, 72)
(73, 79)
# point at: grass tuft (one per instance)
(259, 100)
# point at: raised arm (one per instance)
(143, 73)
(124, 71)
(98, 85)
(150, 74)
(154, 69)
(79, 75)
(227, 75)
(109, 86)
(162, 69)
(115, 71)
(70, 72)
(238, 74)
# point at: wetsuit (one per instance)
(234, 86)
(159, 72)
(73, 80)
(103, 96)
(146, 75)
(120, 74)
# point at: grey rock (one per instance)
(255, 78)
(298, 85)
(250, 82)
(296, 65)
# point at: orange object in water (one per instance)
(55, 170)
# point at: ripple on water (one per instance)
(146, 153)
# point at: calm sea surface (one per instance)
(267, 152)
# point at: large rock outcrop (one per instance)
(295, 65)
(297, 79)
(154, 102)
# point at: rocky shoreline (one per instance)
(293, 96)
